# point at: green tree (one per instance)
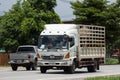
(89, 11)
(24, 22)
(1, 32)
(99, 12)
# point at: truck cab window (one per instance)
(53, 42)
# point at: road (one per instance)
(80, 74)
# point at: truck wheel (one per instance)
(14, 67)
(65, 70)
(34, 66)
(71, 69)
(43, 69)
(91, 68)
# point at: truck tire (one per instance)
(14, 67)
(71, 69)
(66, 70)
(92, 68)
(43, 69)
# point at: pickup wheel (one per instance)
(28, 67)
(34, 66)
(43, 69)
(14, 67)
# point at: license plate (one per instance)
(51, 63)
(19, 61)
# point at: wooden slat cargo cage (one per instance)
(92, 42)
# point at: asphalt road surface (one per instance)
(80, 74)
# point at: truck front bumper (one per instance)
(54, 63)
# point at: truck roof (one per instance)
(58, 29)
(59, 26)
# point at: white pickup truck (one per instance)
(25, 56)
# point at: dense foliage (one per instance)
(24, 22)
(102, 13)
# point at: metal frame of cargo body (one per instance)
(92, 44)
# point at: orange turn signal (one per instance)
(67, 55)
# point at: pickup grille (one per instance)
(52, 57)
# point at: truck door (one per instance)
(72, 46)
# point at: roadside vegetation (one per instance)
(111, 61)
(105, 78)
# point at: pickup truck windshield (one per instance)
(52, 42)
(26, 49)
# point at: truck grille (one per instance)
(52, 57)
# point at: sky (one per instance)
(63, 8)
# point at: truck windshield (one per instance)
(53, 42)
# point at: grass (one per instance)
(111, 61)
(105, 78)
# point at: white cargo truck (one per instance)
(71, 46)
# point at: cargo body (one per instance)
(25, 56)
(70, 46)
